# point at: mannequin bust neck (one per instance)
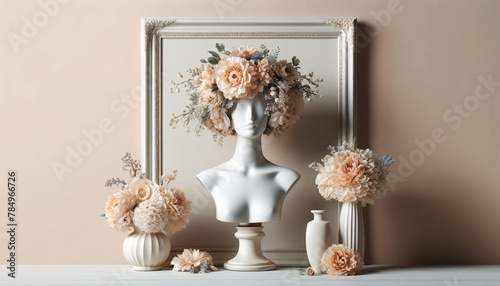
(247, 154)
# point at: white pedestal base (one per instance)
(249, 256)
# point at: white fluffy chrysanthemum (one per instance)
(351, 175)
(151, 216)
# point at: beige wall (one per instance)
(428, 58)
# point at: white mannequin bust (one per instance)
(248, 188)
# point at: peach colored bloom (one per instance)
(178, 208)
(118, 207)
(244, 51)
(190, 258)
(205, 80)
(339, 260)
(265, 72)
(237, 78)
(142, 189)
(351, 175)
(122, 223)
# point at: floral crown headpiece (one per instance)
(244, 73)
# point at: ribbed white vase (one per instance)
(351, 227)
(318, 239)
(146, 251)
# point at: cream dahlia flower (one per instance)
(339, 260)
(244, 51)
(151, 216)
(143, 189)
(351, 175)
(118, 209)
(237, 78)
(190, 258)
(178, 208)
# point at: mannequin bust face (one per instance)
(248, 117)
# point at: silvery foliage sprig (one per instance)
(386, 162)
(203, 268)
(132, 166)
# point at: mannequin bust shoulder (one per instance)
(248, 195)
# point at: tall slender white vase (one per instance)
(318, 239)
(146, 251)
(351, 227)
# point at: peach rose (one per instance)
(237, 78)
(142, 189)
(339, 260)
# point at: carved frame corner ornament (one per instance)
(347, 25)
(151, 26)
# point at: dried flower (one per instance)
(286, 71)
(339, 260)
(352, 175)
(142, 189)
(243, 73)
(205, 80)
(190, 258)
(151, 216)
(237, 78)
(118, 207)
(310, 271)
(244, 51)
(178, 208)
(145, 204)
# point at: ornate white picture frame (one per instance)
(325, 46)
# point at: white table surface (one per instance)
(373, 275)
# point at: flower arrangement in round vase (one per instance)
(151, 210)
(355, 177)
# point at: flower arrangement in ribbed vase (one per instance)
(350, 174)
(148, 206)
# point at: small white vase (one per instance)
(351, 227)
(146, 251)
(318, 239)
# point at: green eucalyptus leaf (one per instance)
(220, 47)
(203, 61)
(213, 60)
(214, 54)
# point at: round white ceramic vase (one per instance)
(146, 251)
(351, 227)
(318, 239)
